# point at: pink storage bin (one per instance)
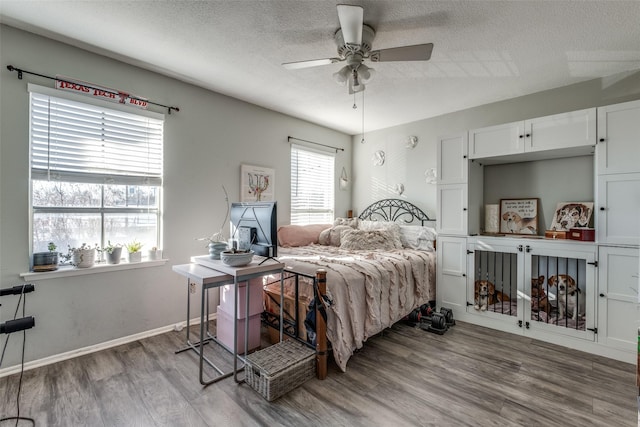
(224, 330)
(228, 296)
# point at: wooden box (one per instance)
(583, 233)
(280, 368)
(555, 234)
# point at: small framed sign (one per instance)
(519, 216)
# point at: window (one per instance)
(312, 186)
(96, 172)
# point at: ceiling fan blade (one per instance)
(418, 52)
(351, 20)
(310, 63)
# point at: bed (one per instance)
(368, 289)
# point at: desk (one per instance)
(206, 278)
(208, 273)
(260, 266)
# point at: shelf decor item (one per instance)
(81, 257)
(519, 216)
(113, 252)
(236, 258)
(570, 215)
(492, 219)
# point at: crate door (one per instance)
(496, 272)
(556, 283)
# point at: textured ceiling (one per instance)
(484, 51)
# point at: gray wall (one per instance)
(407, 166)
(205, 143)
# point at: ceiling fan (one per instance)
(354, 40)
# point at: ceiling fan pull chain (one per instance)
(362, 140)
(354, 101)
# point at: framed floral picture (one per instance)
(519, 216)
(571, 215)
(257, 184)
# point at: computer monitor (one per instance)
(254, 225)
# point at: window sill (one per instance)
(68, 271)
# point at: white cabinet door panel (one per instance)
(618, 209)
(497, 140)
(618, 297)
(573, 129)
(452, 159)
(452, 209)
(618, 148)
(451, 271)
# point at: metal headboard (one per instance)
(395, 210)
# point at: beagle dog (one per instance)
(518, 225)
(570, 298)
(486, 294)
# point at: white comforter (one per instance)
(370, 290)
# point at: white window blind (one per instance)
(80, 142)
(312, 186)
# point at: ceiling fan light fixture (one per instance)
(366, 73)
(342, 76)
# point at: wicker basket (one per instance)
(280, 368)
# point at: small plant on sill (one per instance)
(110, 247)
(134, 246)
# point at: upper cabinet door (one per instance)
(497, 140)
(452, 159)
(618, 148)
(573, 129)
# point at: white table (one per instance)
(209, 273)
(258, 267)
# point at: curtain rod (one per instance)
(20, 72)
(289, 138)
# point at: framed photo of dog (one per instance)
(571, 214)
(519, 216)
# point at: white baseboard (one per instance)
(98, 347)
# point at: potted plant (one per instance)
(217, 241)
(46, 261)
(134, 247)
(113, 252)
(81, 257)
(155, 253)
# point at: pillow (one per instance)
(391, 227)
(331, 236)
(367, 240)
(417, 237)
(351, 222)
(300, 235)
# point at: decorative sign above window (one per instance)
(106, 94)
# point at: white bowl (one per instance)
(236, 259)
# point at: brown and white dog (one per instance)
(539, 300)
(485, 294)
(517, 224)
(570, 298)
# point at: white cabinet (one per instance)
(451, 273)
(452, 209)
(452, 159)
(499, 140)
(618, 297)
(549, 133)
(533, 287)
(618, 209)
(618, 149)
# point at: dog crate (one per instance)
(545, 286)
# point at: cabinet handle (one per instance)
(464, 275)
(464, 209)
(464, 157)
(521, 136)
(602, 208)
(601, 139)
(528, 135)
(602, 295)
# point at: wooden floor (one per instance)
(405, 377)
